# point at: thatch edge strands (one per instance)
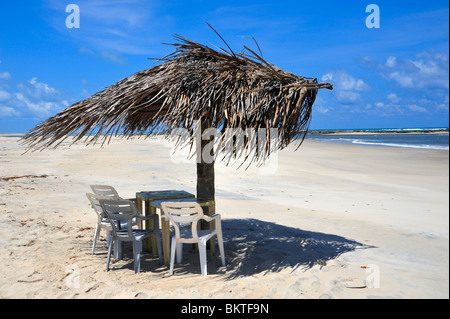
(194, 82)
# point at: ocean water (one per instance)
(401, 138)
(433, 141)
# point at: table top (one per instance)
(166, 194)
(157, 203)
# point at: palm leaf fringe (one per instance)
(193, 85)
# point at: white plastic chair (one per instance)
(120, 211)
(105, 190)
(179, 214)
(102, 221)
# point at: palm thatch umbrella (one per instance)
(195, 86)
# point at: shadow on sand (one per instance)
(253, 246)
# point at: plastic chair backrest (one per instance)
(183, 213)
(120, 210)
(95, 203)
(105, 190)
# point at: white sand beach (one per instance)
(333, 221)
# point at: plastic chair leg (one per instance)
(110, 244)
(118, 249)
(179, 253)
(222, 251)
(97, 232)
(108, 234)
(172, 254)
(202, 253)
(137, 247)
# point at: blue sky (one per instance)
(395, 76)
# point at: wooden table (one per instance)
(165, 226)
(144, 200)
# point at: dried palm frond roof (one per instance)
(218, 87)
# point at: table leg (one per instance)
(165, 225)
(139, 206)
(146, 212)
(150, 241)
(153, 237)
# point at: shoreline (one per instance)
(340, 131)
(342, 134)
(368, 132)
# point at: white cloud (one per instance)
(444, 105)
(4, 96)
(416, 108)
(32, 97)
(404, 80)
(328, 77)
(346, 82)
(393, 98)
(391, 61)
(347, 96)
(320, 105)
(422, 80)
(114, 26)
(41, 89)
(392, 105)
(426, 71)
(104, 54)
(86, 51)
(322, 109)
(112, 56)
(117, 32)
(123, 13)
(40, 108)
(349, 83)
(6, 111)
(346, 86)
(5, 75)
(34, 89)
(427, 68)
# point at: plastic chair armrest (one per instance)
(153, 217)
(211, 218)
(148, 217)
